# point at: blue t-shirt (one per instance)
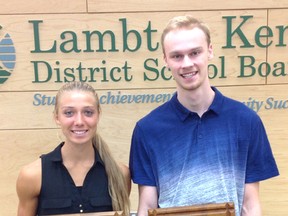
(193, 160)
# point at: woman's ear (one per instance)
(56, 119)
(98, 117)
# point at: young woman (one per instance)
(80, 175)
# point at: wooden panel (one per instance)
(275, 119)
(42, 6)
(186, 5)
(278, 51)
(20, 147)
(98, 214)
(93, 214)
(227, 61)
(17, 110)
(27, 130)
(24, 146)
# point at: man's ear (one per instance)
(165, 60)
(210, 52)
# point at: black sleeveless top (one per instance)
(59, 194)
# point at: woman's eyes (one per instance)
(68, 113)
(87, 113)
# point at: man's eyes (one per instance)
(178, 56)
(195, 53)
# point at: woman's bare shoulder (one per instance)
(32, 169)
(30, 176)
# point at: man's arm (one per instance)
(148, 199)
(251, 204)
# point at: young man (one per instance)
(200, 147)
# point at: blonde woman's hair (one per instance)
(118, 185)
(185, 22)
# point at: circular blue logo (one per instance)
(7, 58)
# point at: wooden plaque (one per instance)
(215, 209)
(110, 213)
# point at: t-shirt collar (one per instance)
(183, 112)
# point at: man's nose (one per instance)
(187, 61)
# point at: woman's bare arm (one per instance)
(28, 188)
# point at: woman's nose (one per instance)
(79, 119)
